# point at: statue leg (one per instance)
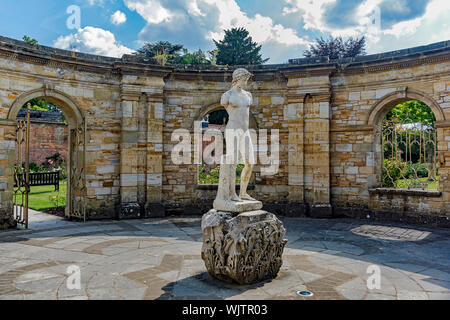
(223, 192)
(233, 195)
(232, 160)
(247, 151)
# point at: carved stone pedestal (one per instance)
(245, 249)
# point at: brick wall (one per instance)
(47, 139)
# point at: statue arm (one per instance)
(225, 99)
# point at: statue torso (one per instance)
(237, 104)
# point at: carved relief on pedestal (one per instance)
(244, 249)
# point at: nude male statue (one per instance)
(237, 102)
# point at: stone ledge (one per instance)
(214, 187)
(406, 192)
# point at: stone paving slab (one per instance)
(160, 259)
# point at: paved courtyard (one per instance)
(160, 259)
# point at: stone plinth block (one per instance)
(7, 221)
(130, 211)
(321, 211)
(245, 249)
(237, 207)
(155, 210)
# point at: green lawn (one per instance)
(405, 183)
(211, 176)
(45, 197)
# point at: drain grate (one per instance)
(305, 293)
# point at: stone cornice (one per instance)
(373, 85)
(130, 92)
(139, 69)
(14, 50)
(7, 122)
(442, 124)
(308, 70)
(396, 63)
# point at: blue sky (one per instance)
(285, 28)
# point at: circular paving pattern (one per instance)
(160, 259)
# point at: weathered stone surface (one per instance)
(155, 210)
(130, 211)
(321, 211)
(245, 249)
(237, 207)
(328, 151)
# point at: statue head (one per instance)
(241, 74)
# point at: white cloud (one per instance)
(151, 10)
(93, 40)
(210, 18)
(310, 11)
(432, 26)
(118, 17)
(96, 2)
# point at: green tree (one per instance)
(414, 144)
(238, 48)
(337, 48)
(28, 40)
(42, 105)
(412, 112)
(195, 58)
(161, 50)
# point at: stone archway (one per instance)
(253, 126)
(216, 106)
(68, 106)
(75, 161)
(379, 111)
(386, 103)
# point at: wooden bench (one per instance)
(43, 179)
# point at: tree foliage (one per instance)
(238, 48)
(28, 40)
(412, 112)
(195, 58)
(161, 50)
(337, 48)
(168, 53)
(42, 105)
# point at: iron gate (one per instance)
(77, 178)
(21, 170)
(409, 154)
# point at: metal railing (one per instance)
(409, 155)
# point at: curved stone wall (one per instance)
(326, 113)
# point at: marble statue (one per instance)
(239, 146)
(241, 243)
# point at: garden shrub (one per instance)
(393, 170)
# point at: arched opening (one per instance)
(406, 141)
(55, 117)
(409, 147)
(214, 122)
(47, 154)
